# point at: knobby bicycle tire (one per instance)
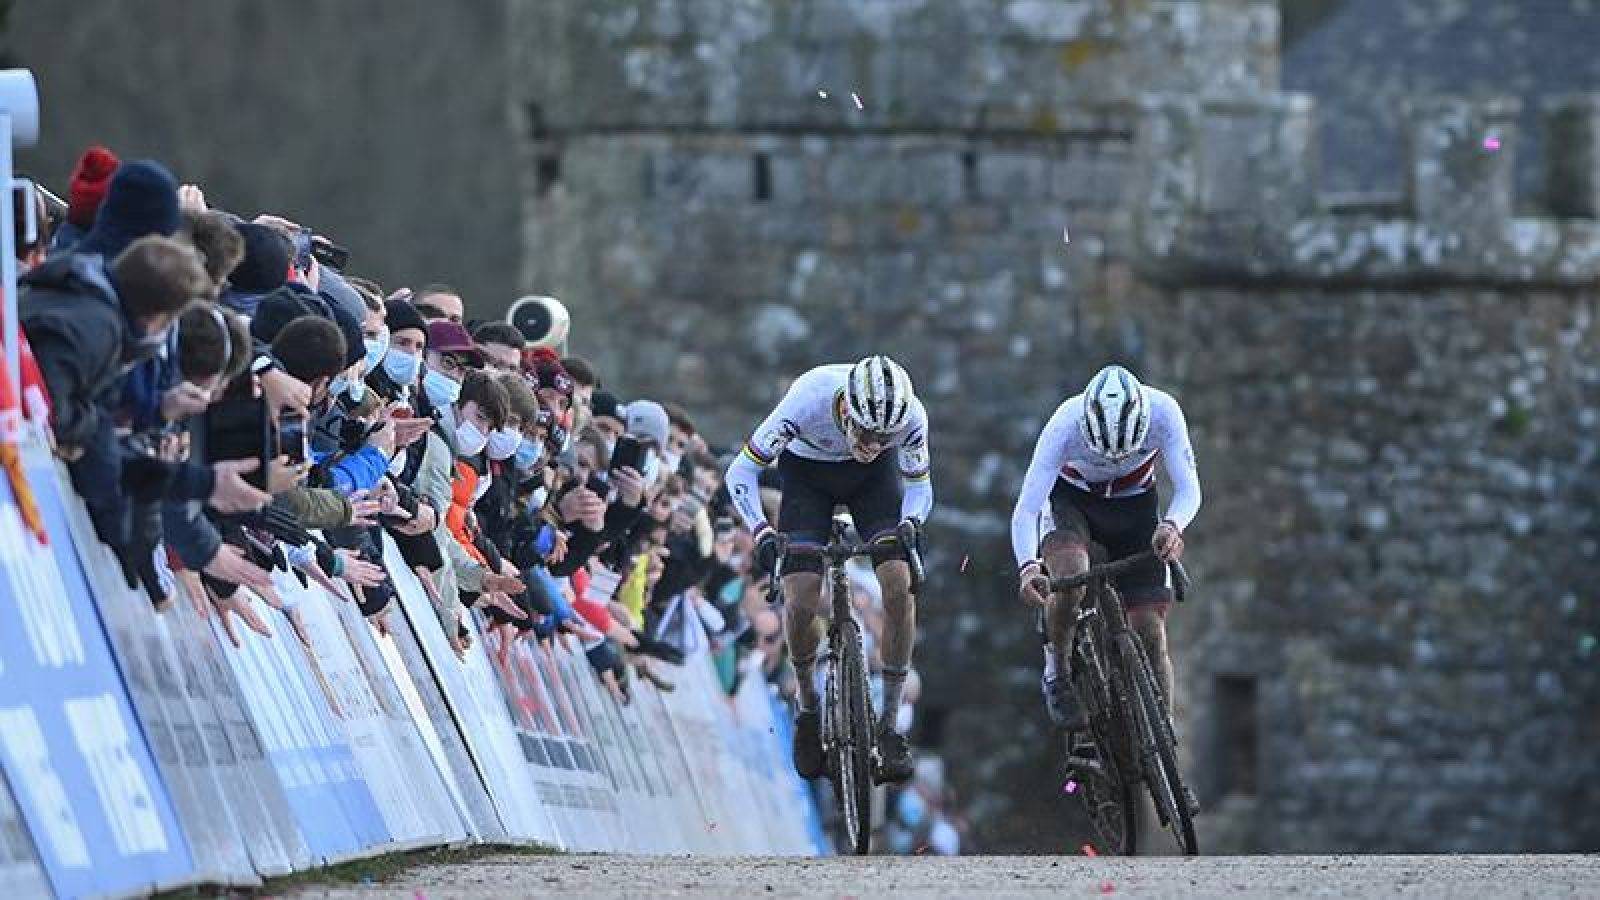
(853, 744)
(1108, 798)
(1164, 779)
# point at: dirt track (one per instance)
(997, 876)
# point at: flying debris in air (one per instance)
(857, 98)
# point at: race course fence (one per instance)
(142, 750)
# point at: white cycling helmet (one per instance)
(877, 395)
(1116, 413)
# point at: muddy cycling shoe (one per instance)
(808, 760)
(893, 762)
(1062, 703)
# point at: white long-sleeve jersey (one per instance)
(807, 423)
(1063, 453)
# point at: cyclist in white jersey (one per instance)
(856, 436)
(1095, 464)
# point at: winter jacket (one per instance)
(74, 322)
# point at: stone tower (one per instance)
(1388, 400)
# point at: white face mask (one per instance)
(398, 464)
(503, 442)
(470, 439)
(483, 487)
(652, 468)
(672, 461)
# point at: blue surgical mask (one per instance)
(528, 453)
(356, 390)
(338, 385)
(401, 366)
(376, 348)
(470, 439)
(503, 443)
(442, 390)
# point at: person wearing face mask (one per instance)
(465, 413)
(400, 366)
(496, 505)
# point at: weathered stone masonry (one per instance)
(1392, 404)
(1395, 413)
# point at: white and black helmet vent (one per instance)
(878, 395)
(1116, 413)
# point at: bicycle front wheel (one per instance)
(1158, 750)
(853, 743)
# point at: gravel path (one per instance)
(994, 877)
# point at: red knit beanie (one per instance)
(90, 178)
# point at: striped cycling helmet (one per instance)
(878, 395)
(1116, 413)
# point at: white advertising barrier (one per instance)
(477, 708)
(261, 810)
(557, 762)
(413, 678)
(407, 789)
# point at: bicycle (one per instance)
(847, 721)
(1127, 713)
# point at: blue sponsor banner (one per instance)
(73, 752)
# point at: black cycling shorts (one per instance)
(812, 490)
(1123, 526)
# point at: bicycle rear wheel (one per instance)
(852, 748)
(1158, 750)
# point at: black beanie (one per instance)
(142, 200)
(604, 403)
(265, 266)
(400, 314)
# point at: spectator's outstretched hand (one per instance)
(408, 430)
(494, 582)
(363, 512)
(231, 566)
(358, 571)
(231, 494)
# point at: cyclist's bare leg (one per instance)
(1150, 623)
(899, 631)
(1063, 557)
(802, 593)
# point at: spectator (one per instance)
(607, 417)
(220, 245)
(439, 301)
(397, 374)
(501, 345)
(90, 179)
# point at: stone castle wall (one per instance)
(1387, 402)
(1394, 412)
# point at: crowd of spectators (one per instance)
(232, 397)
